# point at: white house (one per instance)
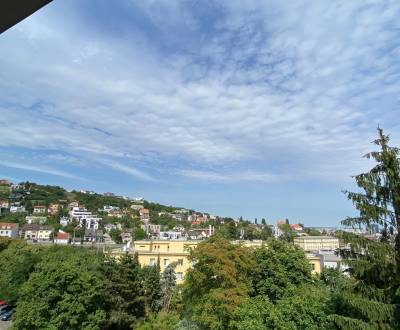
(8, 229)
(85, 218)
(64, 221)
(17, 209)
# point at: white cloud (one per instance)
(128, 170)
(40, 169)
(243, 176)
(300, 84)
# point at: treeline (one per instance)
(229, 287)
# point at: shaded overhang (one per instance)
(14, 11)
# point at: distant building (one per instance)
(126, 237)
(149, 252)
(150, 228)
(170, 234)
(39, 209)
(62, 238)
(53, 209)
(64, 221)
(4, 204)
(136, 207)
(35, 219)
(201, 233)
(4, 182)
(93, 236)
(72, 205)
(8, 229)
(85, 218)
(37, 232)
(144, 214)
(316, 243)
(330, 259)
(110, 226)
(17, 209)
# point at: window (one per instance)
(166, 262)
(179, 275)
(180, 262)
(152, 262)
(313, 266)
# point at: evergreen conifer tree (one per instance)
(375, 265)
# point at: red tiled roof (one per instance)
(8, 225)
(61, 235)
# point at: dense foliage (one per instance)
(373, 300)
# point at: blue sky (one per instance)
(238, 108)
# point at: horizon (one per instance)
(262, 110)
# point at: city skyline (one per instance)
(261, 110)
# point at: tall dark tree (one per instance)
(151, 283)
(374, 265)
(168, 285)
(126, 302)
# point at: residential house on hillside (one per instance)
(53, 209)
(37, 232)
(136, 207)
(200, 233)
(109, 208)
(150, 228)
(170, 235)
(64, 221)
(72, 205)
(39, 209)
(4, 204)
(4, 182)
(17, 209)
(85, 218)
(35, 219)
(144, 214)
(62, 238)
(8, 229)
(108, 227)
(126, 237)
(92, 235)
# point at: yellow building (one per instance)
(169, 251)
(316, 243)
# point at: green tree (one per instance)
(266, 233)
(307, 309)
(17, 262)
(66, 291)
(282, 268)
(168, 283)
(151, 283)
(218, 282)
(288, 234)
(162, 320)
(139, 233)
(126, 302)
(375, 266)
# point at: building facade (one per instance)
(8, 229)
(150, 252)
(316, 243)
